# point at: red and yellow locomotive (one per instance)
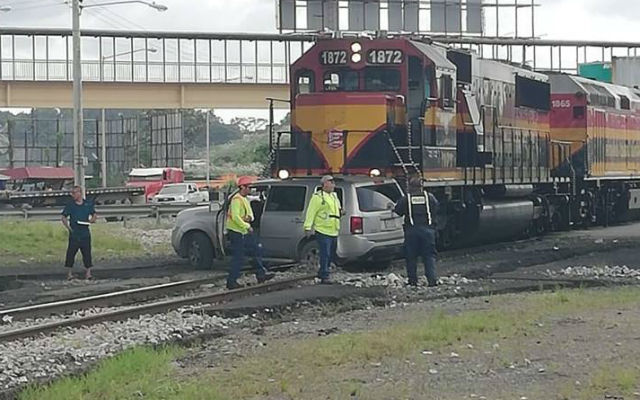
(601, 123)
(477, 130)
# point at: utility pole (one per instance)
(78, 123)
(103, 145)
(208, 132)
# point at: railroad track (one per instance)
(151, 308)
(112, 299)
(102, 300)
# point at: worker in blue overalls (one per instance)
(419, 209)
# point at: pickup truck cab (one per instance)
(369, 232)
(180, 193)
(154, 179)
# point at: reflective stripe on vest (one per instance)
(418, 200)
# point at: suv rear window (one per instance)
(377, 197)
(286, 198)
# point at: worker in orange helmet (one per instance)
(242, 237)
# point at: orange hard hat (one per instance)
(245, 181)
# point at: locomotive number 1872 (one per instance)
(384, 57)
(333, 57)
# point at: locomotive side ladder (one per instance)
(407, 162)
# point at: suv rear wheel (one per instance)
(310, 255)
(199, 250)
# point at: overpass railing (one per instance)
(155, 57)
(151, 57)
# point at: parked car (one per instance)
(180, 193)
(370, 232)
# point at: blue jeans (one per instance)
(327, 248)
(239, 245)
(420, 241)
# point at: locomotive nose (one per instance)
(347, 129)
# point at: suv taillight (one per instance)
(356, 225)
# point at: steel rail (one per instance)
(587, 281)
(113, 298)
(101, 300)
(152, 308)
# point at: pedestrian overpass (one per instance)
(146, 70)
(173, 70)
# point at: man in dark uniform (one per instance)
(81, 214)
(419, 209)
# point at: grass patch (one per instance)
(607, 380)
(138, 373)
(42, 242)
(300, 369)
(332, 358)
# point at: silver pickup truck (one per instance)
(370, 232)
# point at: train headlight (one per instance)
(356, 47)
(374, 173)
(283, 174)
(356, 58)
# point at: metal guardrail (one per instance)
(107, 211)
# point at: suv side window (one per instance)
(286, 198)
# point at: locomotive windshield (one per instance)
(375, 79)
(381, 80)
(341, 81)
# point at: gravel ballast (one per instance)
(28, 360)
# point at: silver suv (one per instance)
(369, 230)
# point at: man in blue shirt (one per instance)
(76, 217)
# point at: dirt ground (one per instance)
(570, 344)
(571, 353)
(574, 352)
(600, 246)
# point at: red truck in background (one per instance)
(153, 179)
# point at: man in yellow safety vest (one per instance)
(242, 237)
(323, 217)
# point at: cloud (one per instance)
(558, 19)
(616, 8)
(182, 15)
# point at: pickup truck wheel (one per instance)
(199, 251)
(310, 255)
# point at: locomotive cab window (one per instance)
(532, 93)
(382, 80)
(305, 82)
(625, 104)
(446, 91)
(578, 112)
(340, 81)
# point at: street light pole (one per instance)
(78, 124)
(208, 132)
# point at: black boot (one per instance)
(234, 285)
(266, 277)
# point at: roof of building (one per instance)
(145, 172)
(38, 173)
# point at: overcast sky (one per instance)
(586, 19)
(555, 19)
